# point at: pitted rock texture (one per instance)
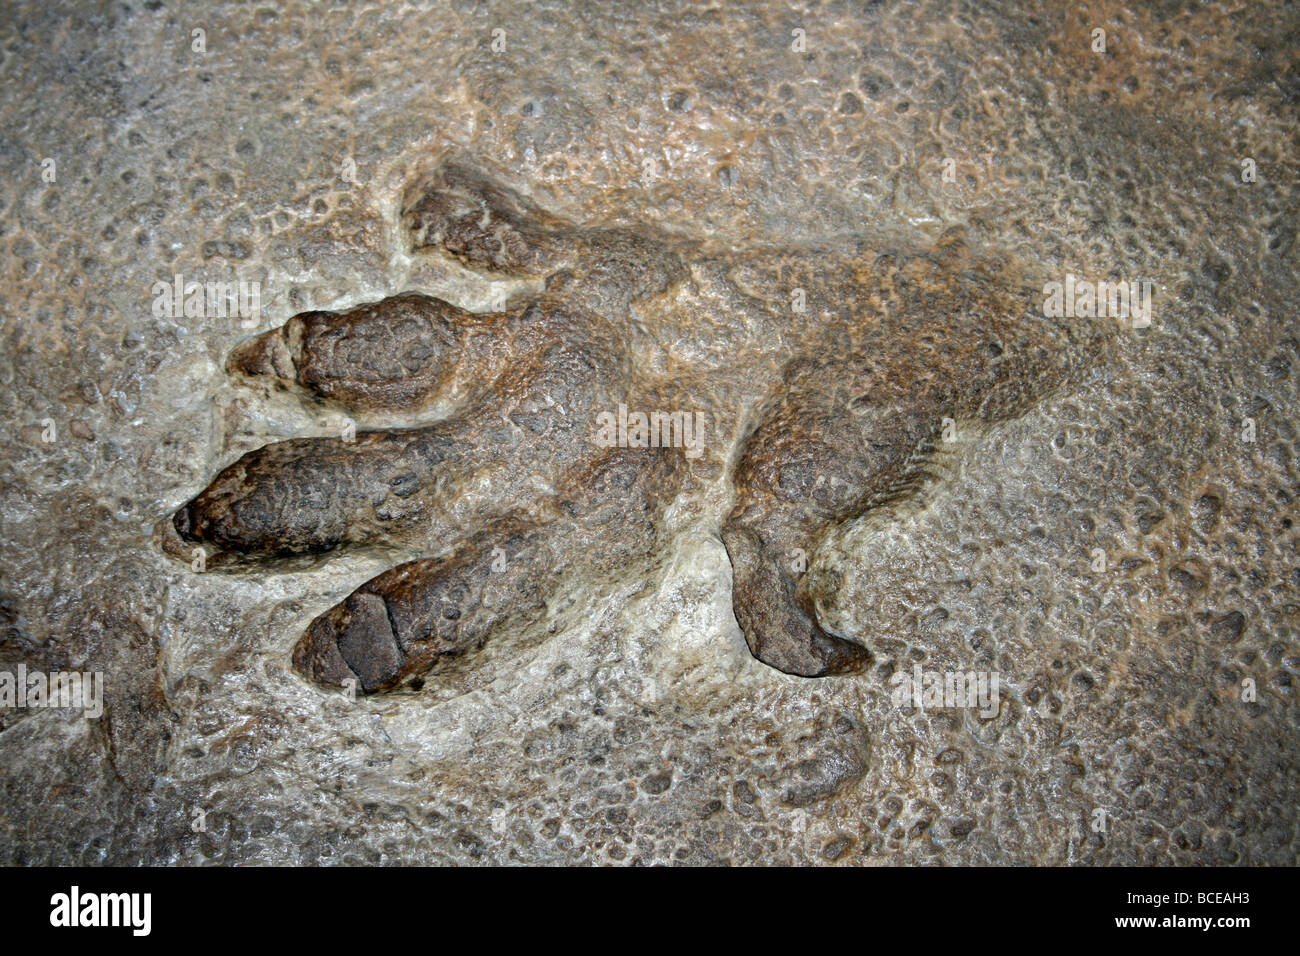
(616, 715)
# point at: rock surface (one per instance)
(1119, 549)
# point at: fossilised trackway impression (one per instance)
(875, 349)
(620, 338)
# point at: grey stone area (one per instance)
(630, 724)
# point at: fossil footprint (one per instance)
(838, 365)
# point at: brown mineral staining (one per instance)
(881, 350)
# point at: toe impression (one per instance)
(780, 631)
